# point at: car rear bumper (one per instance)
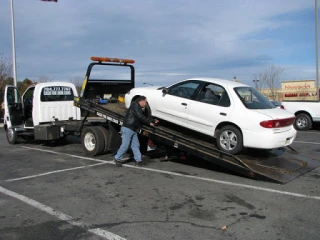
(268, 140)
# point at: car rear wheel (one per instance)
(230, 140)
(302, 122)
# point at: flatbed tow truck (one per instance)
(56, 114)
(278, 165)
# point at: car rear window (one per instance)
(56, 93)
(252, 99)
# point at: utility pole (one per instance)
(13, 46)
(317, 51)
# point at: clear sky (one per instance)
(170, 39)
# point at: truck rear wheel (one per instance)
(302, 122)
(92, 141)
(105, 133)
(12, 136)
(230, 140)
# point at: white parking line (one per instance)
(52, 172)
(204, 179)
(64, 154)
(316, 143)
(310, 132)
(60, 215)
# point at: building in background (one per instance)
(294, 90)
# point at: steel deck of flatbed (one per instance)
(279, 165)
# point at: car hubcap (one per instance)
(302, 122)
(89, 141)
(10, 134)
(228, 140)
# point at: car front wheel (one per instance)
(230, 140)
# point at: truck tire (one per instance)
(229, 139)
(92, 141)
(105, 133)
(12, 136)
(303, 122)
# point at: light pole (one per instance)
(317, 51)
(13, 46)
(256, 83)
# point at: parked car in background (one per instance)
(307, 113)
(235, 114)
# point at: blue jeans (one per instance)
(129, 139)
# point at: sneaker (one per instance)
(140, 163)
(118, 163)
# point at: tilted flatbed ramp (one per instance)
(279, 165)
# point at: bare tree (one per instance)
(5, 75)
(5, 68)
(43, 79)
(270, 79)
(77, 81)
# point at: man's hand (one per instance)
(152, 124)
(156, 121)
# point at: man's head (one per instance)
(142, 100)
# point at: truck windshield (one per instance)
(252, 99)
(57, 93)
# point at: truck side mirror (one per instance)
(165, 90)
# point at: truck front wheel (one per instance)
(12, 136)
(302, 122)
(92, 141)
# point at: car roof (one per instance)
(223, 82)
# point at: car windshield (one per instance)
(253, 99)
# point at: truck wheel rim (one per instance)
(228, 140)
(302, 122)
(89, 141)
(10, 134)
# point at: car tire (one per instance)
(12, 136)
(302, 122)
(92, 141)
(230, 140)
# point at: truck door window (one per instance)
(56, 93)
(13, 96)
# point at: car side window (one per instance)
(184, 90)
(214, 94)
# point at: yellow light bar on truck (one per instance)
(107, 59)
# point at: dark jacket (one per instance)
(134, 117)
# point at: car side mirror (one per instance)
(165, 90)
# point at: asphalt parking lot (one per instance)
(55, 192)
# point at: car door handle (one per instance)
(184, 104)
(223, 114)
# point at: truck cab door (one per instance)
(13, 116)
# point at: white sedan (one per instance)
(235, 114)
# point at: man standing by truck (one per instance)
(133, 119)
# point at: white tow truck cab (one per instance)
(39, 109)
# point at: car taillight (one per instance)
(282, 107)
(277, 123)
